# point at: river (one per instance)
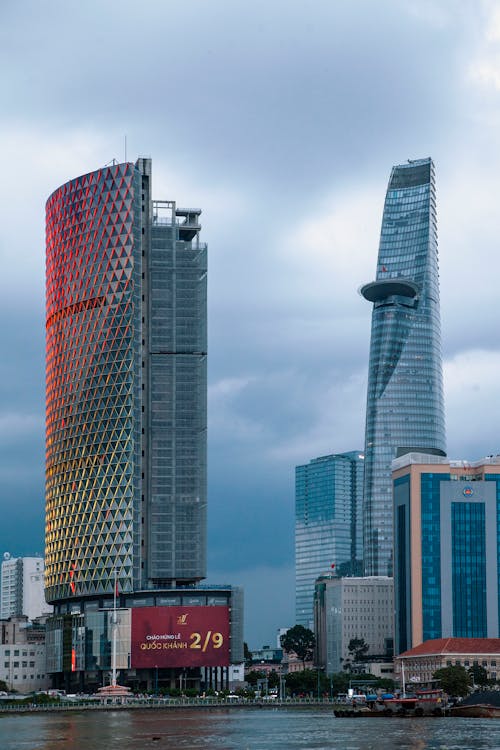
(240, 729)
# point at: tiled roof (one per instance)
(455, 646)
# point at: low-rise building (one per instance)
(23, 667)
(22, 655)
(422, 661)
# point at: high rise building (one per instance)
(328, 524)
(21, 590)
(405, 409)
(447, 549)
(125, 416)
(126, 387)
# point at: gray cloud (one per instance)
(282, 123)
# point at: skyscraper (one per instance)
(328, 524)
(405, 409)
(126, 387)
(125, 419)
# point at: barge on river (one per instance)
(422, 703)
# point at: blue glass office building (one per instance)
(328, 524)
(447, 549)
(405, 409)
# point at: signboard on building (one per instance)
(180, 637)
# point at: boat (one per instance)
(476, 711)
(420, 703)
(482, 705)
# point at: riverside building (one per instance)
(352, 608)
(405, 408)
(126, 352)
(447, 549)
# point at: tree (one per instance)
(4, 687)
(253, 676)
(247, 654)
(301, 641)
(454, 680)
(273, 679)
(357, 648)
(306, 682)
(478, 675)
(339, 682)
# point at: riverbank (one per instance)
(167, 704)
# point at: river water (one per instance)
(240, 729)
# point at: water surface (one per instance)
(240, 729)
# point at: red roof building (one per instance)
(421, 662)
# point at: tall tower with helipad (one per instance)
(405, 405)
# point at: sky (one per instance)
(281, 120)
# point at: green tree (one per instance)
(306, 681)
(247, 654)
(340, 682)
(357, 648)
(454, 680)
(478, 675)
(4, 687)
(253, 676)
(301, 641)
(273, 679)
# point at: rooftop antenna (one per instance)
(125, 139)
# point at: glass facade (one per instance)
(125, 387)
(405, 408)
(430, 518)
(447, 548)
(402, 550)
(328, 524)
(496, 478)
(468, 567)
(176, 443)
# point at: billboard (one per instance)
(179, 637)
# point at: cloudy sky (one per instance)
(281, 120)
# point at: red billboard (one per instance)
(179, 637)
